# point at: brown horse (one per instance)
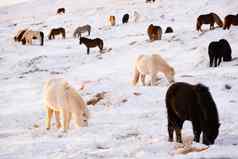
(56, 31)
(61, 10)
(210, 18)
(230, 19)
(154, 32)
(194, 103)
(90, 43)
(19, 35)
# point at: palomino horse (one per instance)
(56, 31)
(112, 20)
(19, 35)
(60, 97)
(210, 18)
(230, 20)
(81, 29)
(154, 32)
(29, 35)
(151, 65)
(90, 43)
(194, 103)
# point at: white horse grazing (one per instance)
(60, 97)
(136, 16)
(151, 65)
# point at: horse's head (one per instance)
(198, 24)
(210, 117)
(82, 118)
(210, 134)
(23, 40)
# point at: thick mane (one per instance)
(207, 104)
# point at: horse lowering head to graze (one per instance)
(91, 43)
(29, 35)
(151, 65)
(19, 35)
(218, 50)
(147, 1)
(56, 31)
(112, 20)
(194, 103)
(230, 20)
(169, 30)
(60, 97)
(125, 18)
(154, 32)
(81, 29)
(210, 18)
(61, 10)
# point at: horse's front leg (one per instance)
(88, 51)
(48, 118)
(66, 120)
(196, 131)
(57, 117)
(142, 76)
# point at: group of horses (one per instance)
(213, 18)
(183, 100)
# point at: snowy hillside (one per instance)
(122, 125)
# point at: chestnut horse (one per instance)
(154, 32)
(56, 31)
(210, 18)
(230, 20)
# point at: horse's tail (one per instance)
(42, 38)
(136, 75)
(217, 19)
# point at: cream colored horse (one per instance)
(151, 65)
(111, 20)
(60, 97)
(29, 35)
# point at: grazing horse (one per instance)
(56, 31)
(125, 18)
(61, 10)
(90, 43)
(194, 103)
(154, 32)
(218, 50)
(151, 65)
(81, 29)
(112, 20)
(29, 35)
(19, 35)
(60, 97)
(147, 1)
(169, 30)
(230, 19)
(210, 18)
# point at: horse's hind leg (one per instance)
(48, 119)
(88, 51)
(178, 128)
(57, 117)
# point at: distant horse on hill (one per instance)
(56, 31)
(91, 43)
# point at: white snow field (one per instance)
(122, 125)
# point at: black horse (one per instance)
(193, 103)
(125, 18)
(90, 43)
(218, 50)
(169, 30)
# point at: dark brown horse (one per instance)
(56, 31)
(230, 20)
(154, 32)
(90, 43)
(61, 10)
(210, 18)
(194, 103)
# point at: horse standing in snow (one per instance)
(154, 32)
(56, 31)
(19, 35)
(112, 20)
(210, 18)
(91, 43)
(169, 30)
(125, 18)
(29, 35)
(218, 50)
(193, 103)
(151, 65)
(230, 20)
(82, 29)
(60, 97)
(61, 11)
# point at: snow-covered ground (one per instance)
(122, 125)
